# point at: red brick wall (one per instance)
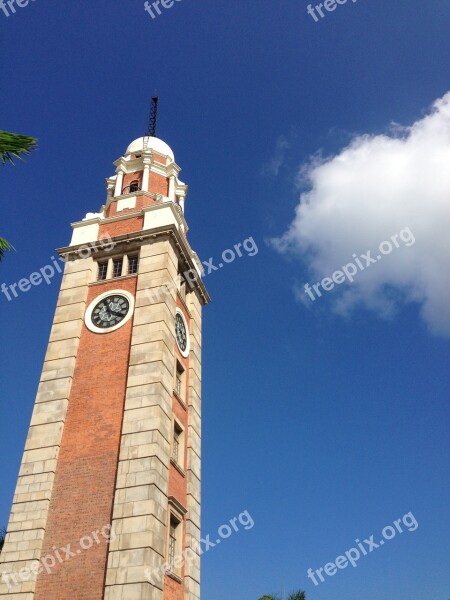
(159, 158)
(158, 184)
(141, 201)
(85, 477)
(177, 483)
(120, 227)
(129, 177)
(172, 589)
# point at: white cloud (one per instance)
(375, 187)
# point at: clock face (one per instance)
(110, 311)
(181, 333)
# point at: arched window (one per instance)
(134, 186)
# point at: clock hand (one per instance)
(115, 308)
(104, 315)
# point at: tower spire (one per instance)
(153, 117)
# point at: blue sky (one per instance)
(326, 428)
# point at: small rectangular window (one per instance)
(177, 437)
(173, 542)
(180, 383)
(132, 265)
(179, 380)
(102, 271)
(178, 444)
(117, 267)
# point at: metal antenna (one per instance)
(153, 117)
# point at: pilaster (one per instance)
(141, 497)
(193, 474)
(26, 528)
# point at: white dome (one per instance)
(152, 143)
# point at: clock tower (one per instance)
(107, 504)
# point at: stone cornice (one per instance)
(136, 164)
(177, 505)
(173, 169)
(181, 244)
(175, 209)
(138, 213)
(151, 195)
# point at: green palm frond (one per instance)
(299, 595)
(4, 247)
(12, 145)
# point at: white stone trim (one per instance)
(146, 174)
(126, 202)
(160, 215)
(119, 183)
(172, 188)
(85, 232)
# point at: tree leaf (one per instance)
(13, 145)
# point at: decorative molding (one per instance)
(180, 470)
(180, 242)
(174, 503)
